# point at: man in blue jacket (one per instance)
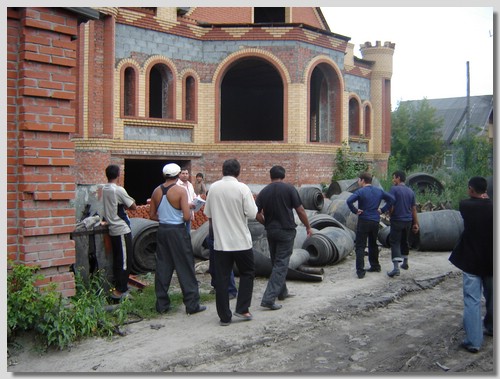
(368, 211)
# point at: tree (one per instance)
(416, 136)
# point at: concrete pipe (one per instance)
(312, 198)
(439, 230)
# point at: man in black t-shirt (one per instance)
(275, 204)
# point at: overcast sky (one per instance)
(433, 46)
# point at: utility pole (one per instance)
(467, 109)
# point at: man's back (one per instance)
(230, 204)
(278, 199)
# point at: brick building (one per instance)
(140, 87)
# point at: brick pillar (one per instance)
(41, 86)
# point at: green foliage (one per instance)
(474, 155)
(415, 137)
(57, 321)
(23, 298)
(60, 321)
(348, 164)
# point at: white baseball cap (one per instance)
(171, 169)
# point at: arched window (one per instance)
(324, 105)
(190, 99)
(353, 117)
(161, 92)
(129, 92)
(252, 100)
(368, 121)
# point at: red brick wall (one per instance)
(41, 86)
(221, 15)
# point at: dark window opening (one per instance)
(190, 98)
(142, 176)
(368, 122)
(268, 15)
(353, 117)
(324, 116)
(252, 102)
(161, 97)
(129, 92)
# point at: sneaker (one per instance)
(245, 316)
(393, 273)
(273, 306)
(283, 297)
(405, 266)
(223, 323)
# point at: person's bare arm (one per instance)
(415, 226)
(185, 206)
(153, 205)
(260, 217)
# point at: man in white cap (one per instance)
(174, 251)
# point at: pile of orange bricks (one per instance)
(142, 211)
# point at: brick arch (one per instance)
(354, 116)
(189, 95)
(324, 117)
(121, 68)
(149, 64)
(367, 112)
(224, 68)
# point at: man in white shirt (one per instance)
(229, 206)
(184, 182)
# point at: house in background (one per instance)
(461, 115)
(140, 87)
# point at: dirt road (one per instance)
(342, 325)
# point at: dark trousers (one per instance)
(366, 231)
(280, 249)
(398, 239)
(211, 268)
(224, 261)
(175, 252)
(122, 255)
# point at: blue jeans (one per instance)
(280, 249)
(473, 285)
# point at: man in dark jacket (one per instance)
(474, 256)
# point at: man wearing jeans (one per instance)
(474, 256)
(275, 204)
